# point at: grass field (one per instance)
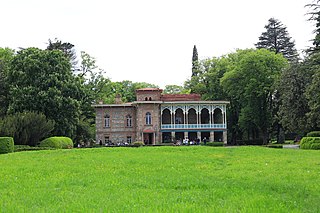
(161, 179)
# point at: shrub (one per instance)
(27, 128)
(6, 145)
(314, 134)
(138, 143)
(214, 143)
(310, 143)
(57, 143)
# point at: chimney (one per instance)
(118, 99)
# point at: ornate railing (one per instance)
(193, 126)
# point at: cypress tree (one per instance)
(195, 62)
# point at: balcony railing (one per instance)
(193, 126)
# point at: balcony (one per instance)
(193, 126)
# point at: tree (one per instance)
(6, 56)
(175, 89)
(207, 81)
(293, 106)
(315, 17)
(27, 128)
(195, 62)
(250, 83)
(277, 39)
(66, 47)
(42, 81)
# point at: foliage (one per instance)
(293, 105)
(313, 97)
(175, 89)
(166, 179)
(6, 145)
(66, 47)
(6, 56)
(138, 143)
(277, 39)
(21, 148)
(313, 134)
(207, 81)
(42, 81)
(27, 128)
(250, 82)
(195, 62)
(126, 89)
(315, 17)
(57, 143)
(310, 143)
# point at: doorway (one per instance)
(148, 138)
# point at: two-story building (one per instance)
(156, 118)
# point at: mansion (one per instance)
(157, 118)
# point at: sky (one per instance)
(150, 40)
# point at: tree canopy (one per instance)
(276, 38)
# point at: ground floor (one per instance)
(207, 136)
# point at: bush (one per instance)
(138, 143)
(214, 143)
(57, 143)
(27, 128)
(314, 134)
(6, 145)
(310, 143)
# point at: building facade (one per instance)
(156, 118)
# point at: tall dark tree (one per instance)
(315, 17)
(293, 105)
(66, 47)
(276, 38)
(195, 62)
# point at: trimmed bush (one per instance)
(314, 134)
(57, 143)
(310, 143)
(138, 143)
(6, 145)
(214, 143)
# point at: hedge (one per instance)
(138, 143)
(314, 134)
(310, 143)
(215, 143)
(6, 145)
(21, 148)
(57, 143)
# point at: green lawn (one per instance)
(161, 179)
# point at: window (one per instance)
(146, 99)
(150, 98)
(129, 139)
(148, 118)
(129, 121)
(107, 121)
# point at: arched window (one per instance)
(107, 120)
(129, 121)
(150, 99)
(146, 99)
(148, 118)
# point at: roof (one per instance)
(181, 97)
(149, 89)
